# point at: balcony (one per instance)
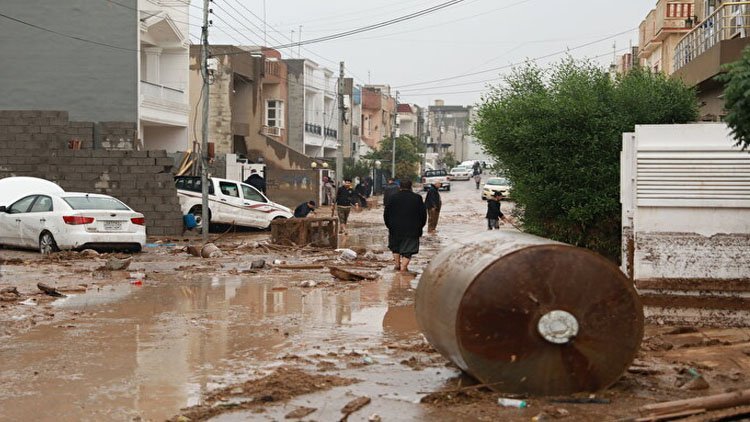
(331, 133)
(669, 17)
(716, 41)
(162, 104)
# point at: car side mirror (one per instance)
(3, 209)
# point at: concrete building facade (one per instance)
(449, 130)
(128, 63)
(313, 108)
(164, 106)
(660, 32)
(378, 114)
(235, 98)
(718, 37)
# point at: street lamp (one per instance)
(375, 166)
(314, 165)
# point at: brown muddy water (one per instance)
(145, 352)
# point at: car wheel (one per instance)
(448, 189)
(197, 212)
(47, 244)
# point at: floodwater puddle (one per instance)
(148, 351)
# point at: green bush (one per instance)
(557, 133)
(737, 98)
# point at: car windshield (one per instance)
(433, 173)
(499, 181)
(454, 169)
(94, 203)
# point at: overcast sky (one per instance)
(471, 36)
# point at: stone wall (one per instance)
(36, 143)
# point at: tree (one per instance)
(737, 98)
(557, 133)
(408, 149)
(354, 169)
(449, 160)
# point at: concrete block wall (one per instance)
(35, 143)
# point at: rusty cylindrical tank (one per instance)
(528, 315)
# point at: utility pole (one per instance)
(342, 116)
(204, 141)
(394, 136)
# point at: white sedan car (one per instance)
(64, 220)
(494, 185)
(460, 173)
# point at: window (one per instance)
(229, 189)
(95, 203)
(274, 113)
(42, 204)
(22, 205)
(250, 193)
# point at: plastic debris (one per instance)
(512, 403)
(347, 254)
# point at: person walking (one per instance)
(304, 209)
(404, 216)
(494, 213)
(432, 203)
(329, 190)
(390, 189)
(257, 181)
(477, 177)
(345, 200)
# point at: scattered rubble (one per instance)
(49, 290)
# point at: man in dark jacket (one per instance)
(304, 209)
(257, 181)
(390, 189)
(494, 213)
(432, 203)
(405, 216)
(345, 200)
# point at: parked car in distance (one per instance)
(461, 173)
(496, 184)
(57, 221)
(431, 176)
(229, 202)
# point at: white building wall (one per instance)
(686, 206)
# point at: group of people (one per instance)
(405, 214)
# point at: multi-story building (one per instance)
(719, 34)
(352, 119)
(128, 63)
(411, 121)
(626, 61)
(235, 97)
(164, 108)
(378, 114)
(274, 93)
(449, 130)
(313, 108)
(660, 32)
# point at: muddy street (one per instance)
(179, 337)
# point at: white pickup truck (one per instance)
(431, 176)
(229, 202)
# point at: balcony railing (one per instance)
(272, 131)
(730, 20)
(313, 128)
(162, 92)
(331, 133)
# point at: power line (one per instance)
(488, 80)
(376, 25)
(443, 24)
(515, 64)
